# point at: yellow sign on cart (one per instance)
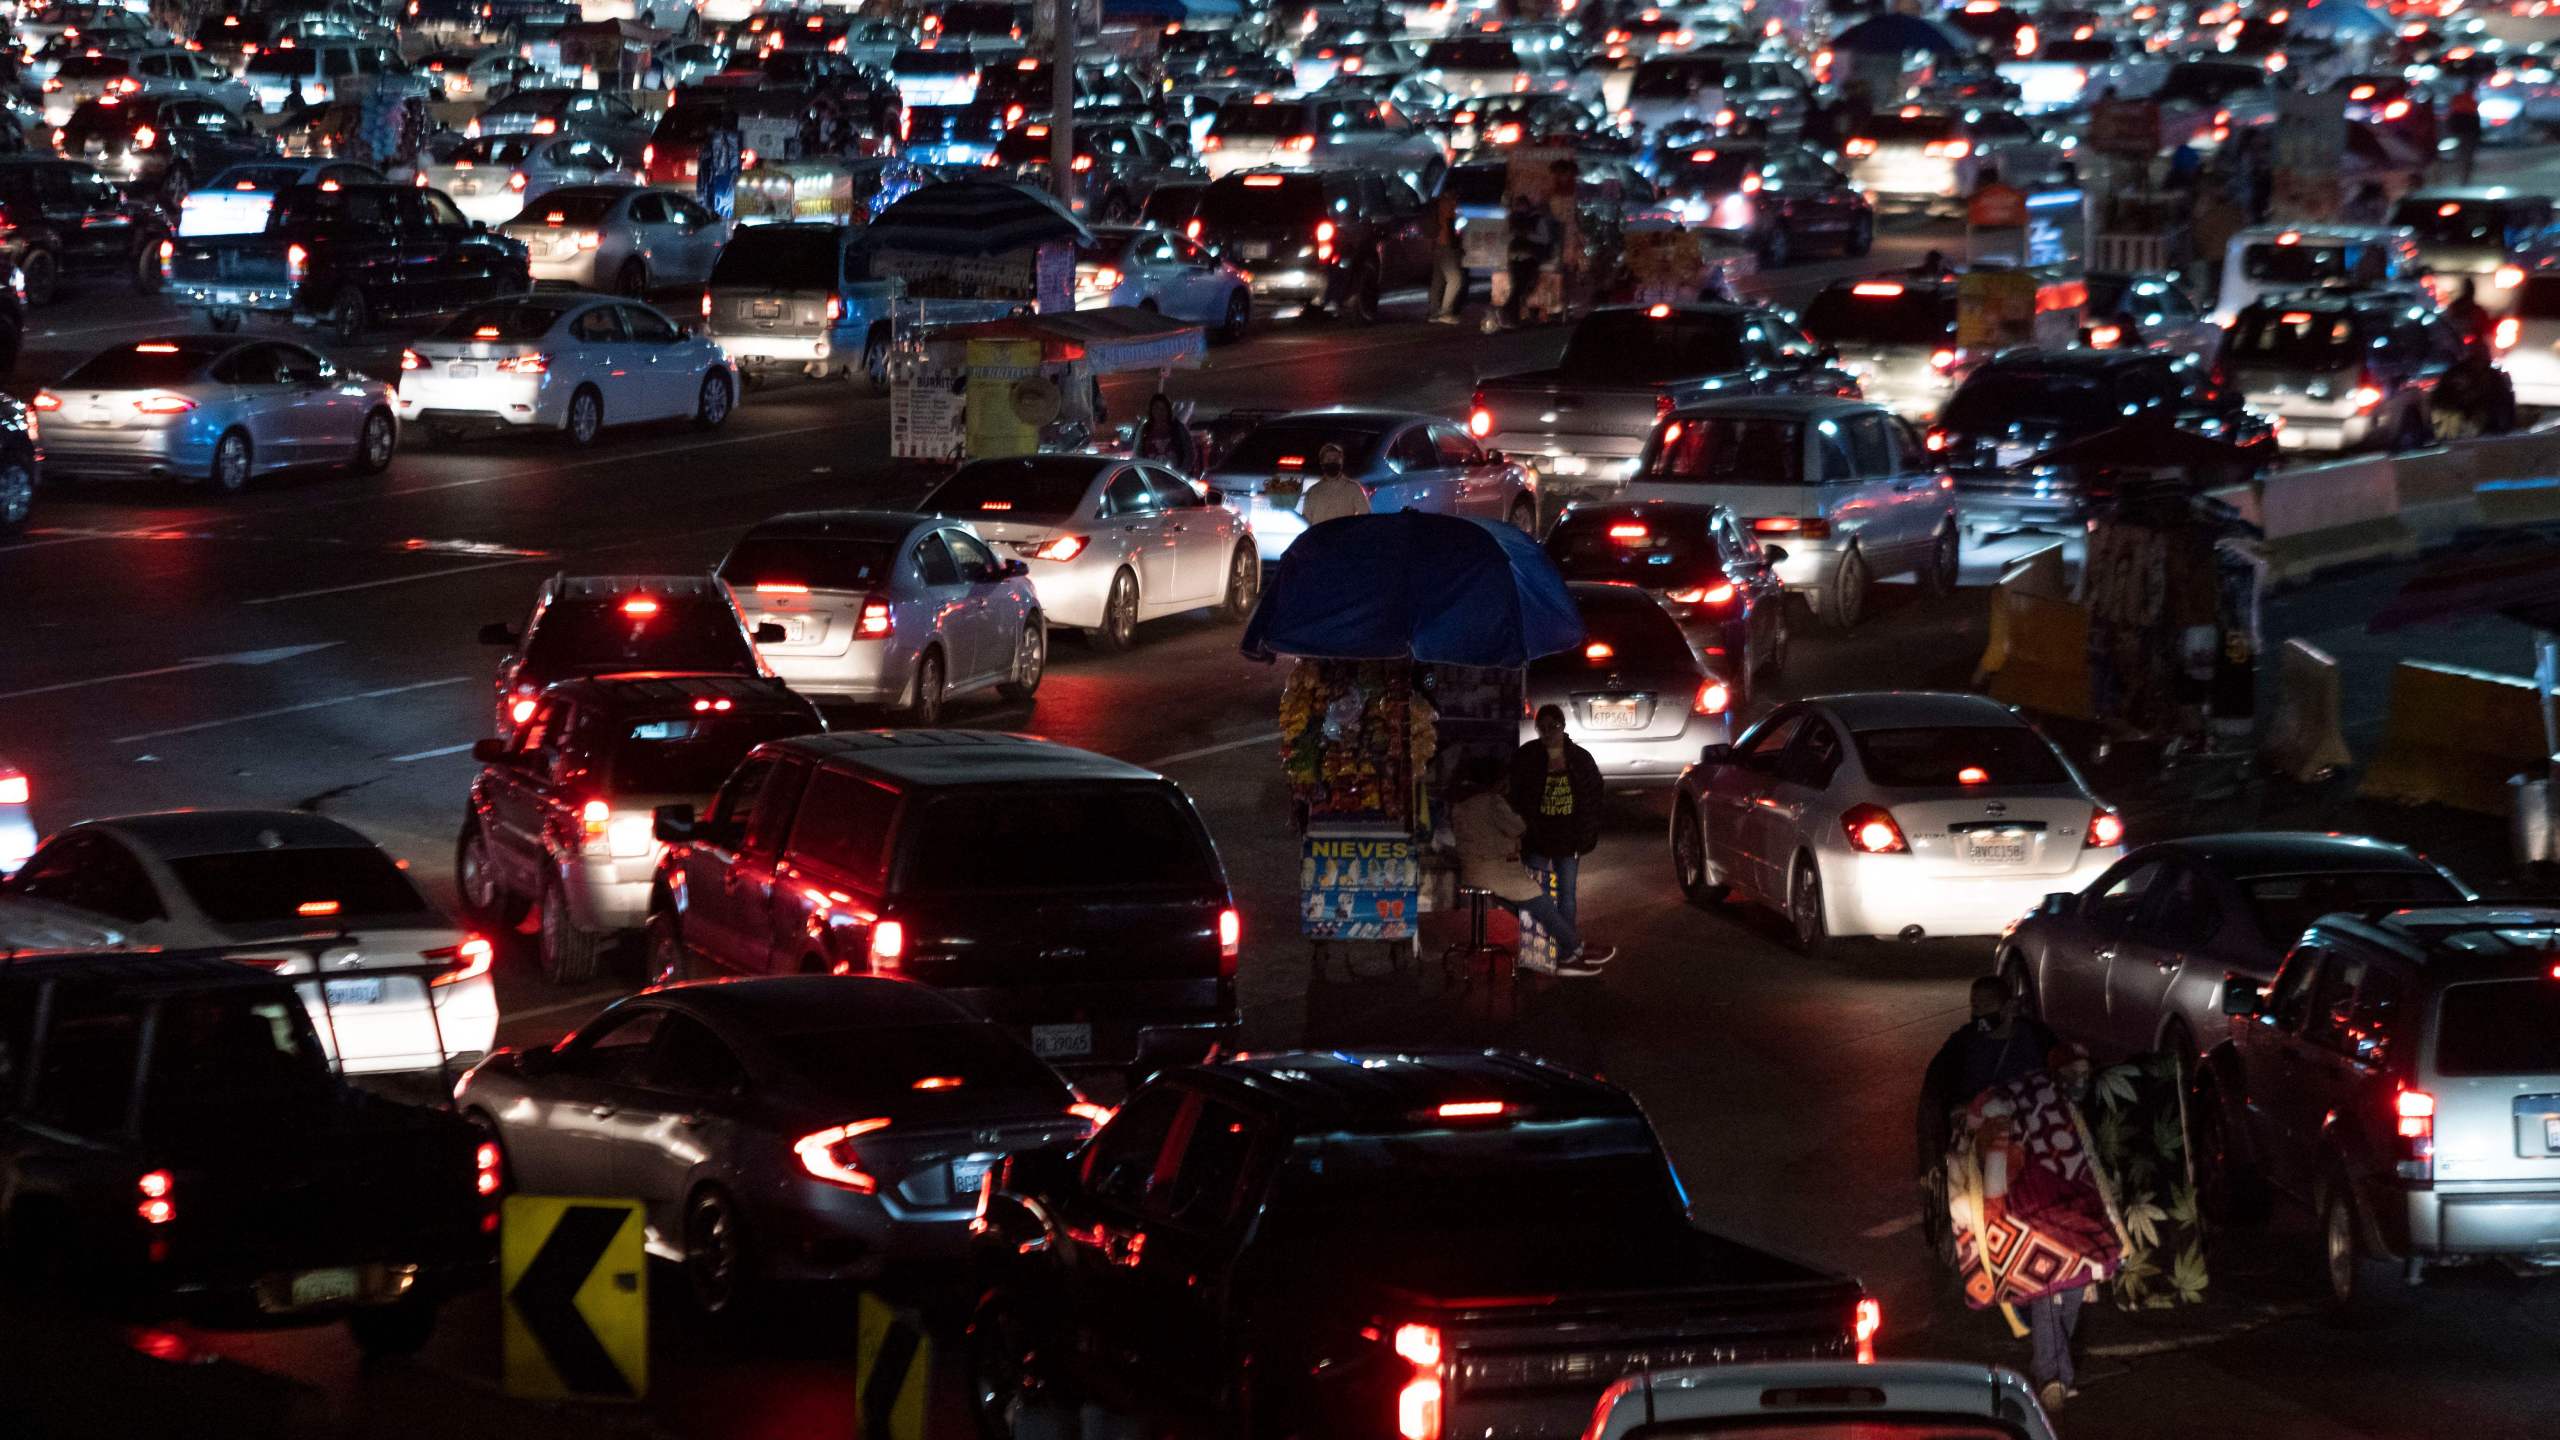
(575, 1285)
(997, 426)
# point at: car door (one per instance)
(651, 339)
(520, 810)
(990, 616)
(97, 228)
(255, 373)
(1105, 1225)
(1890, 468)
(1407, 236)
(678, 1113)
(1196, 1220)
(656, 238)
(695, 234)
(724, 888)
(1477, 487)
(325, 416)
(1414, 479)
(1733, 796)
(422, 270)
(1132, 504)
(2174, 924)
(2071, 988)
(1205, 280)
(1197, 531)
(946, 597)
(1796, 799)
(2275, 1050)
(560, 1139)
(600, 352)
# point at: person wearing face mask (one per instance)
(1998, 1044)
(1165, 439)
(1334, 493)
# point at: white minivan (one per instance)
(2266, 259)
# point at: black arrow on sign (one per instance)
(546, 1296)
(898, 1348)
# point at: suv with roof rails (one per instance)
(1072, 898)
(617, 624)
(2347, 369)
(2402, 1077)
(560, 814)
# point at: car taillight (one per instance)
(1479, 417)
(1230, 937)
(2504, 336)
(1798, 526)
(1418, 1402)
(467, 960)
(706, 304)
(876, 620)
(485, 1159)
(1212, 143)
(2364, 397)
(1714, 698)
(1937, 440)
(159, 1204)
(144, 137)
(1191, 228)
(14, 789)
(1948, 149)
(1859, 146)
(1106, 278)
(888, 944)
(1872, 831)
(2414, 1118)
(1063, 547)
(1942, 360)
(1094, 1115)
(45, 401)
(594, 819)
(297, 263)
(524, 365)
(1324, 239)
(590, 240)
(2106, 828)
(1719, 594)
(164, 404)
(829, 1155)
(1865, 1324)
(835, 308)
(520, 709)
(168, 254)
(2508, 277)
(648, 155)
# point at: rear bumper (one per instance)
(1997, 505)
(210, 295)
(753, 350)
(2314, 432)
(2522, 1220)
(1282, 285)
(396, 1034)
(868, 673)
(149, 454)
(1887, 894)
(1143, 1024)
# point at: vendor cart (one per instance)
(1024, 383)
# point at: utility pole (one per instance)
(1062, 100)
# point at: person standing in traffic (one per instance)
(1448, 260)
(1528, 244)
(2462, 122)
(1164, 439)
(1555, 785)
(1334, 494)
(1487, 831)
(2470, 319)
(1998, 1044)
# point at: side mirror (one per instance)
(768, 633)
(496, 634)
(1715, 754)
(2240, 997)
(672, 823)
(1013, 569)
(538, 1061)
(1774, 554)
(489, 750)
(2058, 904)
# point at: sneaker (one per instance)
(1450, 319)
(1576, 969)
(1595, 955)
(2052, 1395)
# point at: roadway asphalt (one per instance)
(312, 644)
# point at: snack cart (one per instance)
(1025, 383)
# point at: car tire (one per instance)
(1689, 860)
(17, 496)
(1244, 583)
(1119, 627)
(376, 442)
(1773, 663)
(1862, 237)
(1524, 516)
(585, 420)
(711, 408)
(718, 1265)
(232, 461)
(570, 956)
(1775, 248)
(394, 1331)
(1808, 911)
(2363, 1286)
(348, 319)
(664, 958)
(1007, 1362)
(42, 275)
(485, 898)
(632, 280)
(1239, 317)
(224, 320)
(1030, 661)
(147, 279)
(1945, 564)
(2015, 979)
(924, 702)
(1849, 586)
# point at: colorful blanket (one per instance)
(2031, 1210)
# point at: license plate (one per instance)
(462, 372)
(1568, 465)
(1060, 1042)
(967, 1176)
(1995, 848)
(767, 310)
(2011, 454)
(353, 992)
(1612, 714)
(323, 1287)
(466, 187)
(1255, 250)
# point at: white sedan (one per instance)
(570, 363)
(1902, 813)
(325, 897)
(1149, 269)
(491, 176)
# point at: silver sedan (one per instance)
(492, 176)
(618, 238)
(1110, 542)
(213, 408)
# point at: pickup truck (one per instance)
(346, 255)
(1422, 1244)
(173, 1143)
(1583, 424)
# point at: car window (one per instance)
(1761, 749)
(1456, 446)
(2333, 998)
(617, 1047)
(736, 803)
(1413, 451)
(2291, 1002)
(442, 211)
(1814, 757)
(2114, 907)
(1171, 491)
(95, 873)
(2182, 912)
(1871, 438)
(649, 210)
(776, 804)
(2381, 1015)
(1208, 1186)
(1128, 495)
(250, 365)
(688, 1059)
(337, 63)
(845, 822)
(599, 325)
(2499, 1027)
(934, 562)
(300, 366)
(2285, 905)
(648, 326)
(1122, 1164)
(1831, 449)
(977, 563)
(84, 1082)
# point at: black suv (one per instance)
(1068, 896)
(560, 815)
(160, 144)
(616, 624)
(62, 220)
(1317, 239)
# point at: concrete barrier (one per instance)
(2038, 653)
(2453, 737)
(2303, 741)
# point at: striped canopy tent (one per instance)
(974, 218)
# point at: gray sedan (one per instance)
(618, 238)
(2136, 961)
(213, 408)
(1405, 461)
(1636, 693)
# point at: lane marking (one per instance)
(193, 662)
(1181, 755)
(624, 460)
(440, 750)
(289, 710)
(1890, 1228)
(378, 584)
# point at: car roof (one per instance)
(1580, 513)
(2293, 852)
(144, 972)
(176, 833)
(1802, 407)
(962, 757)
(846, 524)
(2470, 937)
(1371, 1090)
(650, 689)
(2472, 195)
(1351, 415)
(797, 1004)
(2386, 297)
(1935, 1387)
(1883, 709)
(2327, 230)
(2089, 362)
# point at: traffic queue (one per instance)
(912, 996)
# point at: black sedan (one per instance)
(1707, 569)
(788, 1128)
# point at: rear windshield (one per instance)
(132, 368)
(1925, 757)
(90, 67)
(1883, 313)
(2296, 264)
(492, 150)
(687, 124)
(578, 208)
(1024, 488)
(1732, 450)
(816, 562)
(1491, 1191)
(2285, 905)
(2499, 1027)
(1243, 117)
(1235, 202)
(2476, 222)
(219, 1058)
(1652, 552)
(327, 885)
(258, 177)
(593, 636)
(882, 1065)
(692, 754)
(780, 257)
(1622, 630)
(501, 321)
(311, 203)
(2295, 339)
(1908, 127)
(1710, 168)
(1996, 399)
(284, 62)
(1171, 205)
(1631, 347)
(1073, 838)
(1470, 54)
(1293, 446)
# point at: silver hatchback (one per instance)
(887, 608)
(1635, 693)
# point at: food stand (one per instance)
(779, 192)
(1025, 383)
(1410, 632)
(2025, 281)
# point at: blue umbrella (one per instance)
(1901, 34)
(1412, 585)
(2340, 17)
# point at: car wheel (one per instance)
(1774, 248)
(1944, 564)
(1239, 316)
(711, 408)
(667, 960)
(1030, 661)
(1773, 661)
(2363, 1285)
(1013, 1389)
(925, 707)
(1862, 237)
(585, 420)
(1244, 584)
(2020, 985)
(1849, 591)
(394, 1331)
(1119, 627)
(633, 279)
(17, 496)
(569, 954)
(715, 1254)
(1524, 516)
(349, 319)
(147, 279)
(231, 457)
(375, 443)
(1806, 910)
(224, 321)
(42, 275)
(484, 895)
(1689, 860)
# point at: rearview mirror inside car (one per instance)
(489, 750)
(768, 633)
(672, 823)
(1714, 754)
(2240, 996)
(496, 634)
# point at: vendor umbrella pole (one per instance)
(1062, 101)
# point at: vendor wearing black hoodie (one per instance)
(1555, 787)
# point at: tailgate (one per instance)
(815, 622)
(770, 312)
(1566, 410)
(218, 260)
(369, 1180)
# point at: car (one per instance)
(215, 410)
(2150, 312)
(68, 223)
(2532, 356)
(161, 70)
(1840, 484)
(1164, 271)
(1406, 461)
(1897, 335)
(187, 879)
(672, 152)
(1705, 567)
(1875, 1400)
(889, 608)
(1924, 157)
(237, 200)
(2203, 101)
(558, 819)
(1422, 1243)
(2270, 259)
(157, 145)
(1777, 199)
(1333, 239)
(1518, 62)
(1321, 133)
(1110, 542)
(1498, 122)
(1640, 693)
(2067, 71)
(491, 177)
(1120, 163)
(18, 833)
(1898, 813)
(598, 114)
(792, 298)
(1108, 938)
(936, 76)
(831, 1127)
(345, 256)
(19, 466)
(295, 73)
(617, 624)
(2487, 234)
(2347, 370)
(617, 238)
(485, 74)
(2400, 1077)
(570, 363)
(1730, 89)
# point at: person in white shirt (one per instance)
(1335, 494)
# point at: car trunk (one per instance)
(1138, 937)
(813, 621)
(229, 260)
(1597, 419)
(2496, 1055)
(743, 311)
(1964, 833)
(934, 1156)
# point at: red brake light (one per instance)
(1628, 532)
(1094, 1115)
(888, 943)
(1866, 1326)
(2105, 828)
(1599, 650)
(2417, 1112)
(14, 789)
(835, 308)
(706, 304)
(164, 404)
(648, 155)
(1972, 775)
(1872, 831)
(875, 618)
(45, 401)
(2508, 277)
(2504, 336)
(1942, 361)
(1479, 419)
(1879, 288)
(826, 1156)
(1420, 1344)
(1936, 439)
(1064, 547)
(157, 1208)
(467, 960)
(780, 587)
(485, 1159)
(640, 605)
(1418, 1409)
(1815, 529)
(1230, 933)
(1714, 698)
(594, 818)
(520, 710)
(297, 263)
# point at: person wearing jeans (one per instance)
(2051, 1319)
(1488, 835)
(1448, 261)
(1555, 787)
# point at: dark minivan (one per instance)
(1073, 898)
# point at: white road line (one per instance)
(1220, 749)
(288, 710)
(622, 460)
(378, 584)
(432, 754)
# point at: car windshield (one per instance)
(780, 257)
(1491, 1192)
(307, 203)
(1262, 200)
(492, 150)
(1623, 545)
(2294, 340)
(1933, 756)
(1472, 53)
(1069, 838)
(577, 207)
(502, 321)
(1291, 446)
(593, 636)
(1712, 169)
(1907, 128)
(1623, 630)
(688, 123)
(1998, 398)
(1638, 347)
(1025, 487)
(2499, 1027)
(2457, 222)
(1673, 78)
(809, 562)
(328, 885)
(2285, 905)
(878, 1065)
(2297, 264)
(1875, 312)
(691, 754)
(1730, 450)
(134, 367)
(2077, 52)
